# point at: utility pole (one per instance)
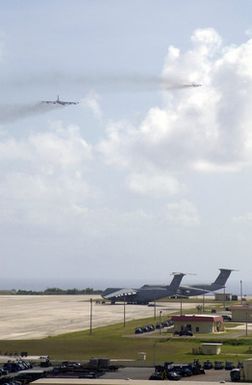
(224, 297)
(241, 290)
(155, 311)
(181, 304)
(124, 312)
(203, 304)
(160, 319)
(91, 317)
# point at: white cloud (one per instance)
(206, 41)
(182, 213)
(209, 167)
(43, 176)
(203, 129)
(243, 219)
(154, 184)
(92, 101)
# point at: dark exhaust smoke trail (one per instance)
(12, 112)
(106, 82)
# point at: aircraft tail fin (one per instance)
(176, 281)
(222, 277)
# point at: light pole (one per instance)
(160, 318)
(91, 317)
(224, 297)
(181, 303)
(246, 322)
(241, 290)
(155, 311)
(124, 312)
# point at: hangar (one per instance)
(198, 323)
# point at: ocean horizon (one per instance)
(233, 286)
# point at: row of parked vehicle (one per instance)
(219, 365)
(184, 332)
(14, 366)
(22, 378)
(175, 372)
(151, 327)
(95, 368)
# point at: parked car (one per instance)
(208, 365)
(229, 365)
(156, 377)
(159, 326)
(218, 365)
(173, 376)
(186, 333)
(138, 331)
(168, 323)
(184, 370)
(235, 375)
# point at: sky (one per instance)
(145, 176)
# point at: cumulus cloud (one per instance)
(182, 213)
(46, 178)
(243, 219)
(202, 129)
(92, 101)
(154, 184)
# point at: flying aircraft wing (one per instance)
(48, 101)
(121, 293)
(67, 103)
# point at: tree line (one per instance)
(56, 291)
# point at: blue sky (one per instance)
(136, 181)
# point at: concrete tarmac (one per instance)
(35, 316)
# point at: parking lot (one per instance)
(144, 374)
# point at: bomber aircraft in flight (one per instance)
(201, 289)
(144, 294)
(58, 101)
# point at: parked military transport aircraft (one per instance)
(200, 289)
(58, 101)
(144, 294)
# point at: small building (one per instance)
(198, 323)
(241, 313)
(246, 372)
(211, 348)
(223, 297)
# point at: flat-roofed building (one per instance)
(223, 297)
(211, 348)
(198, 323)
(241, 313)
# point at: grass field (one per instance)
(118, 342)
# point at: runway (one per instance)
(32, 317)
